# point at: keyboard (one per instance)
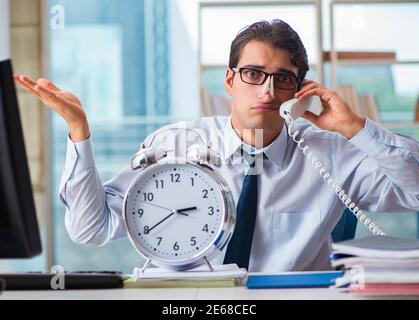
(66, 280)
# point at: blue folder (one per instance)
(293, 280)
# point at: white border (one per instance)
(4, 30)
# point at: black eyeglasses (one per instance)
(283, 81)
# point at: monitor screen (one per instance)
(19, 233)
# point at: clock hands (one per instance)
(156, 205)
(186, 209)
(168, 209)
(167, 217)
(181, 211)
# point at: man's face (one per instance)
(252, 107)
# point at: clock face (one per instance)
(174, 212)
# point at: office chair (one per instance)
(346, 227)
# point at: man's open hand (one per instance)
(64, 103)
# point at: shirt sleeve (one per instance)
(379, 169)
(93, 211)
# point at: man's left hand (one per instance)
(337, 116)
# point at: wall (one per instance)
(26, 54)
(183, 21)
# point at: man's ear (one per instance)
(228, 83)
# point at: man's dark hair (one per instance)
(276, 33)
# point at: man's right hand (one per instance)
(67, 105)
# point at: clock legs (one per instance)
(145, 265)
(208, 264)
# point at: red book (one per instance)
(386, 289)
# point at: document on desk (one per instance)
(378, 265)
(317, 279)
(228, 275)
(381, 247)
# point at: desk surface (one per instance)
(237, 293)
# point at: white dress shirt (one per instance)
(296, 209)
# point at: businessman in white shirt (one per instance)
(295, 211)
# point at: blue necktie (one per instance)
(238, 250)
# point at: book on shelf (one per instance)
(221, 106)
(206, 102)
(214, 105)
(348, 94)
(363, 105)
(368, 107)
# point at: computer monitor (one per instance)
(19, 233)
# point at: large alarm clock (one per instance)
(178, 212)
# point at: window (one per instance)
(220, 25)
(379, 27)
(384, 27)
(126, 61)
(113, 55)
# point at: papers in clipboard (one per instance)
(229, 275)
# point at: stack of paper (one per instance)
(228, 275)
(378, 265)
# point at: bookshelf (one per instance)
(348, 57)
(364, 105)
(373, 59)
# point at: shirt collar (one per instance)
(274, 151)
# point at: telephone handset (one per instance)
(293, 109)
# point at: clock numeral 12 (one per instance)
(175, 177)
